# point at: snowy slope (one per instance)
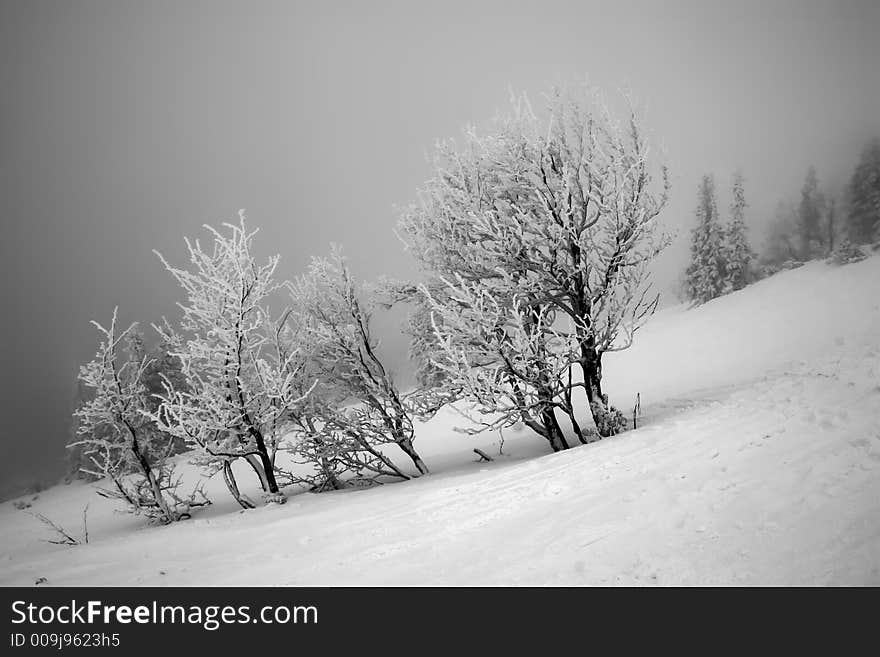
(758, 463)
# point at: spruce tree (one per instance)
(706, 274)
(737, 253)
(782, 232)
(830, 227)
(810, 212)
(863, 221)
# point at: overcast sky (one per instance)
(126, 125)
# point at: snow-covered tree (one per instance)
(242, 382)
(810, 212)
(831, 228)
(359, 407)
(781, 244)
(738, 254)
(116, 435)
(706, 274)
(549, 218)
(864, 195)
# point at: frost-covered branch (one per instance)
(360, 408)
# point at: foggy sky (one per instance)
(126, 125)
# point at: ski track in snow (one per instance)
(756, 463)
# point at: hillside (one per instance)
(757, 462)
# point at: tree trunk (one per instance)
(257, 466)
(554, 433)
(269, 471)
(229, 478)
(591, 365)
(330, 476)
(168, 515)
(406, 446)
(545, 424)
(569, 411)
(267, 477)
(381, 457)
(576, 427)
(831, 228)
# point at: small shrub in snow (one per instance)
(611, 420)
(845, 253)
(62, 536)
(274, 498)
(790, 264)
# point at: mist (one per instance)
(127, 125)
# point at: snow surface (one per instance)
(757, 462)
